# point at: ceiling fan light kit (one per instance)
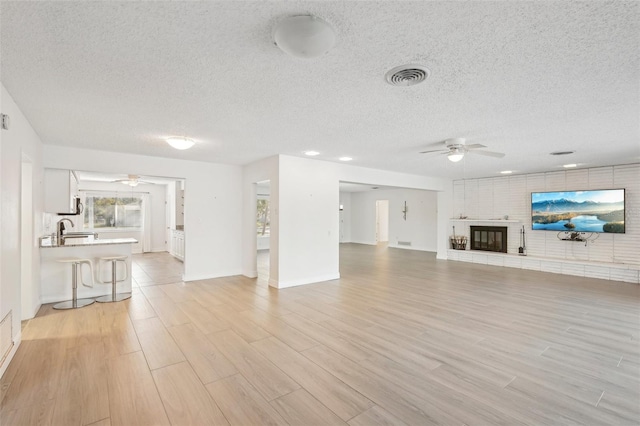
(456, 148)
(455, 155)
(180, 143)
(132, 181)
(305, 36)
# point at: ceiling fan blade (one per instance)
(435, 150)
(488, 153)
(439, 143)
(475, 146)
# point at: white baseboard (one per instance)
(16, 342)
(369, 243)
(195, 277)
(411, 248)
(294, 283)
(250, 274)
(33, 311)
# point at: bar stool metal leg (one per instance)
(74, 302)
(114, 297)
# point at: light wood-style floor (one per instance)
(401, 338)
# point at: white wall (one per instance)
(16, 143)
(308, 222)
(29, 297)
(345, 217)
(420, 228)
(213, 198)
(157, 197)
(511, 195)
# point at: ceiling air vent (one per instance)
(407, 75)
(561, 152)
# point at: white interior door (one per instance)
(382, 221)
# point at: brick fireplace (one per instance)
(489, 238)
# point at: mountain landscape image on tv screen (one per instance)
(578, 211)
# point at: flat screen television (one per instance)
(578, 211)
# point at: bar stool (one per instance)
(114, 297)
(75, 302)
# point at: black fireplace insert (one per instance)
(489, 238)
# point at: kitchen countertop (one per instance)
(47, 242)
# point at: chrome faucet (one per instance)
(60, 228)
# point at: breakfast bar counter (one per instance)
(55, 276)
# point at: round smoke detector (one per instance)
(407, 75)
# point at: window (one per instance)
(262, 217)
(113, 211)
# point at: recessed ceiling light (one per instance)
(561, 152)
(345, 158)
(181, 143)
(506, 172)
(569, 166)
(311, 153)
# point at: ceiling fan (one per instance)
(456, 148)
(132, 180)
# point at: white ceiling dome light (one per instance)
(180, 143)
(455, 155)
(304, 36)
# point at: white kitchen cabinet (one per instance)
(175, 205)
(177, 244)
(179, 205)
(60, 191)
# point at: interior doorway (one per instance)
(382, 221)
(263, 229)
(150, 209)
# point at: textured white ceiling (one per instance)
(523, 78)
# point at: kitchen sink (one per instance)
(80, 235)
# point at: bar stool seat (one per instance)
(114, 297)
(75, 303)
